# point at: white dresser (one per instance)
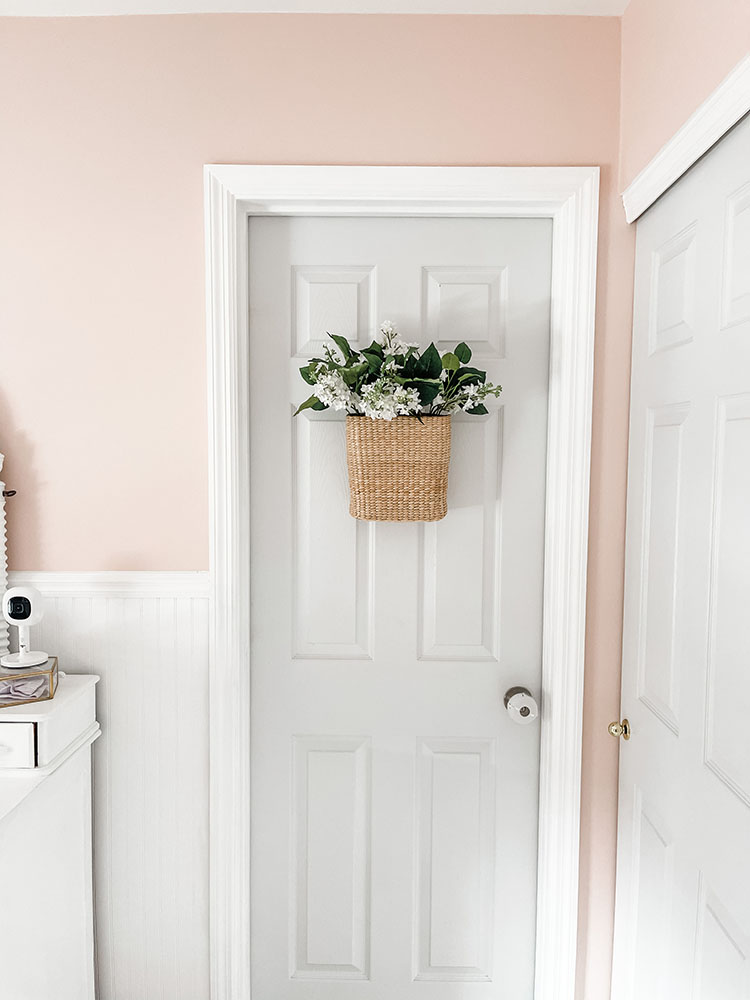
(46, 900)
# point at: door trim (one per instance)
(567, 195)
(721, 110)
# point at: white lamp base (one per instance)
(16, 661)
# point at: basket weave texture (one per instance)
(398, 469)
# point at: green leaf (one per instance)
(463, 353)
(451, 363)
(375, 348)
(374, 361)
(352, 375)
(344, 346)
(471, 376)
(427, 388)
(311, 403)
(307, 373)
(480, 409)
(413, 367)
(431, 363)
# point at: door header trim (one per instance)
(567, 195)
(708, 123)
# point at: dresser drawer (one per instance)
(17, 744)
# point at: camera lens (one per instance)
(19, 608)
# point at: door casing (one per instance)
(567, 195)
(722, 109)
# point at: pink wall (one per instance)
(107, 124)
(674, 54)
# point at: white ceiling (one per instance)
(77, 8)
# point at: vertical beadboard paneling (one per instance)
(146, 635)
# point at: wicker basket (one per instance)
(398, 469)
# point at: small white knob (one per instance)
(521, 706)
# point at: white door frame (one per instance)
(570, 197)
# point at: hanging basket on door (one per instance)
(398, 469)
(398, 402)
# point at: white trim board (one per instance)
(118, 583)
(567, 195)
(718, 113)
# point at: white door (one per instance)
(683, 883)
(394, 802)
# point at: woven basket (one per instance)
(398, 469)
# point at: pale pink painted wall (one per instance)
(106, 126)
(674, 54)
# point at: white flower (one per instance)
(384, 399)
(474, 395)
(390, 340)
(473, 398)
(331, 389)
(334, 354)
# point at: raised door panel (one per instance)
(333, 552)
(672, 308)
(460, 557)
(722, 954)
(456, 866)
(728, 701)
(331, 858)
(332, 298)
(657, 666)
(653, 886)
(473, 300)
(735, 293)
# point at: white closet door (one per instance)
(683, 884)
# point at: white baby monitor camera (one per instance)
(22, 607)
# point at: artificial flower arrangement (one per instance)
(398, 402)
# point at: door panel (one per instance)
(394, 801)
(331, 865)
(456, 859)
(460, 556)
(683, 906)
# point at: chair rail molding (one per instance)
(708, 123)
(567, 195)
(115, 583)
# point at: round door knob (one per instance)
(619, 729)
(521, 705)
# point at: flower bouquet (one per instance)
(398, 402)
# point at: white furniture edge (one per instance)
(88, 736)
(125, 583)
(567, 195)
(718, 113)
(22, 781)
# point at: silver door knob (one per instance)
(521, 705)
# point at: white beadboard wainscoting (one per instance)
(146, 635)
